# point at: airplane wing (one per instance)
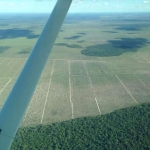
(17, 102)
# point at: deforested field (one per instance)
(99, 63)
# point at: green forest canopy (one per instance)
(122, 129)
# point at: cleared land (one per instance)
(98, 65)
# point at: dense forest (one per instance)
(115, 47)
(4, 48)
(127, 128)
(70, 46)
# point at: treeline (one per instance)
(115, 47)
(4, 48)
(106, 50)
(69, 46)
(122, 129)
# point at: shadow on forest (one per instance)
(115, 47)
(25, 51)
(81, 41)
(73, 37)
(16, 33)
(67, 45)
(110, 31)
(82, 33)
(4, 48)
(4, 24)
(131, 27)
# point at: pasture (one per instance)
(99, 63)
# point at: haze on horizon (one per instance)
(46, 6)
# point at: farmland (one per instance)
(98, 65)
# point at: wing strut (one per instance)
(17, 102)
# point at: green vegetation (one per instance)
(115, 47)
(69, 46)
(4, 48)
(25, 51)
(81, 41)
(4, 24)
(82, 33)
(122, 129)
(15, 33)
(73, 37)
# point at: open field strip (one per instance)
(78, 60)
(9, 70)
(93, 89)
(36, 109)
(82, 93)
(5, 86)
(70, 89)
(12, 68)
(47, 92)
(77, 68)
(25, 115)
(3, 60)
(126, 89)
(3, 82)
(83, 97)
(19, 68)
(129, 36)
(129, 66)
(144, 78)
(94, 39)
(58, 106)
(140, 58)
(5, 90)
(141, 81)
(48, 68)
(139, 92)
(146, 58)
(111, 95)
(9, 82)
(98, 68)
(7, 65)
(4, 67)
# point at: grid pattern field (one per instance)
(99, 63)
(71, 89)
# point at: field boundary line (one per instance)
(78, 75)
(92, 86)
(24, 118)
(127, 89)
(70, 89)
(5, 86)
(4, 67)
(18, 69)
(11, 68)
(3, 61)
(47, 92)
(141, 81)
(29, 106)
(91, 60)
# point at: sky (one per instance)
(46, 6)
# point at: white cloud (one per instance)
(106, 4)
(146, 2)
(11, 4)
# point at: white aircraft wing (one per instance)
(17, 102)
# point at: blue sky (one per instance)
(77, 6)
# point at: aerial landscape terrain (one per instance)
(97, 76)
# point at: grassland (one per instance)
(99, 63)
